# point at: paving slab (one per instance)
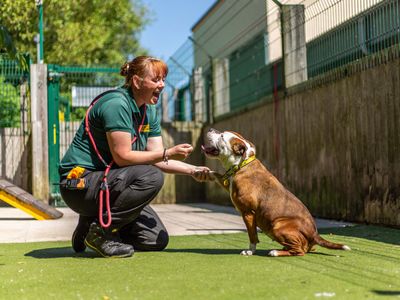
(180, 219)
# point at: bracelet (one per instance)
(165, 156)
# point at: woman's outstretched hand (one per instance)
(179, 152)
(202, 174)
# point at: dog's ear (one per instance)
(238, 147)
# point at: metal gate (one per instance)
(14, 122)
(70, 91)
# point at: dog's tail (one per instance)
(324, 243)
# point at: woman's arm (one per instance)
(120, 146)
(175, 166)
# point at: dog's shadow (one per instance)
(211, 251)
(205, 251)
(59, 252)
(370, 232)
(63, 252)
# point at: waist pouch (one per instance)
(76, 180)
(75, 184)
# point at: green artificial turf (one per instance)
(208, 267)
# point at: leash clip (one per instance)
(104, 186)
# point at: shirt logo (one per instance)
(145, 128)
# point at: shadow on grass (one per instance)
(369, 232)
(60, 252)
(204, 251)
(386, 293)
(207, 251)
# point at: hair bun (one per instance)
(125, 69)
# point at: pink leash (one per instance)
(104, 184)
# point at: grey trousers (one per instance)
(131, 190)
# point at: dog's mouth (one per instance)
(210, 150)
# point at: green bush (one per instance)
(10, 104)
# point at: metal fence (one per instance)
(70, 91)
(287, 45)
(177, 101)
(14, 122)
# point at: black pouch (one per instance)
(75, 184)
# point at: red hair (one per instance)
(140, 66)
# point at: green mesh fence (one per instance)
(316, 37)
(251, 78)
(70, 91)
(12, 77)
(366, 33)
(14, 122)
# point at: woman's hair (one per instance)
(140, 66)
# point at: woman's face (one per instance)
(150, 88)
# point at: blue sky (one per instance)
(172, 21)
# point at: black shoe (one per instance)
(80, 232)
(106, 244)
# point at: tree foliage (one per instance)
(7, 46)
(10, 107)
(78, 32)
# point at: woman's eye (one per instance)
(158, 79)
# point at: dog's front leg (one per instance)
(250, 221)
(220, 180)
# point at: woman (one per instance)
(122, 131)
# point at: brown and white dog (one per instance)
(261, 199)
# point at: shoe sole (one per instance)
(108, 256)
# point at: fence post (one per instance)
(294, 44)
(40, 172)
(53, 103)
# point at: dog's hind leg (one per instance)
(292, 247)
(293, 241)
(284, 253)
(250, 222)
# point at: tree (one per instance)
(78, 32)
(7, 46)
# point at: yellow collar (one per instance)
(232, 171)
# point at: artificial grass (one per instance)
(208, 267)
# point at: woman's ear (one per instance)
(136, 81)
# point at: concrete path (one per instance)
(180, 219)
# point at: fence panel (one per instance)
(70, 91)
(236, 69)
(14, 123)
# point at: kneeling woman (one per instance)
(115, 162)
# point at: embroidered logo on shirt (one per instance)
(145, 128)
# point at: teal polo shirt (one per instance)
(115, 111)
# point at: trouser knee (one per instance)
(158, 244)
(154, 178)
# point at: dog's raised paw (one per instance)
(273, 253)
(246, 253)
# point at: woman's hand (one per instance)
(202, 174)
(179, 152)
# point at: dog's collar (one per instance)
(232, 170)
